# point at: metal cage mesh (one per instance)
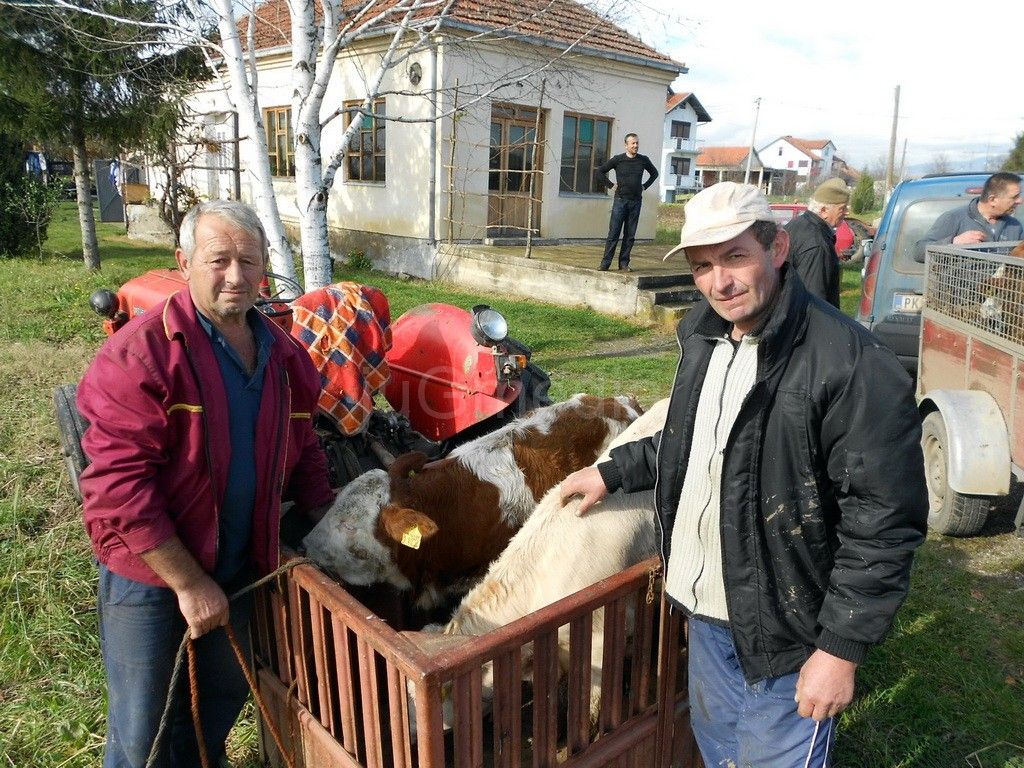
(983, 290)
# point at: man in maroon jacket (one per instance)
(200, 415)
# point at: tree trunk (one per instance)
(312, 205)
(86, 220)
(310, 75)
(242, 93)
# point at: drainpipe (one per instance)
(432, 231)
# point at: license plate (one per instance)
(909, 303)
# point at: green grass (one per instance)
(948, 683)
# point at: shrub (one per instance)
(863, 197)
(26, 207)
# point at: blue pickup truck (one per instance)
(893, 281)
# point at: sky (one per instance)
(829, 71)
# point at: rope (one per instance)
(256, 695)
(186, 646)
(193, 684)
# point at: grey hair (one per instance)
(816, 206)
(234, 212)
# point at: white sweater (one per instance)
(694, 577)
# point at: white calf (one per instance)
(557, 553)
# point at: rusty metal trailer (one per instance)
(970, 382)
(349, 691)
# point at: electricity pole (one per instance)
(750, 154)
(890, 165)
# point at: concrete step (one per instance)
(677, 295)
(667, 316)
(648, 282)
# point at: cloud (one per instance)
(822, 72)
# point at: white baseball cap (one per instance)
(720, 213)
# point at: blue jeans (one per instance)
(625, 216)
(140, 631)
(744, 725)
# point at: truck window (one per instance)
(917, 220)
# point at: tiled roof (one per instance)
(809, 147)
(675, 99)
(558, 21)
(718, 157)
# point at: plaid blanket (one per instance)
(347, 329)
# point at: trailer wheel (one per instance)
(949, 512)
(71, 426)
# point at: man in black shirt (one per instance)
(629, 172)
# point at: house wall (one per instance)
(797, 161)
(398, 222)
(783, 155)
(669, 184)
(631, 96)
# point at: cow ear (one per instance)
(406, 464)
(406, 526)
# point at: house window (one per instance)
(681, 166)
(680, 129)
(280, 143)
(780, 150)
(365, 154)
(802, 164)
(584, 150)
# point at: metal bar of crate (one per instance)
(643, 634)
(580, 639)
(668, 658)
(369, 697)
(545, 698)
(507, 713)
(398, 718)
(345, 674)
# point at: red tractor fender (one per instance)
(441, 378)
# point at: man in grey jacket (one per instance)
(789, 491)
(987, 218)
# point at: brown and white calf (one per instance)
(431, 531)
(557, 553)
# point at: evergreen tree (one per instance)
(863, 197)
(1015, 160)
(70, 79)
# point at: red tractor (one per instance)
(448, 374)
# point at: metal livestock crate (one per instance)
(348, 691)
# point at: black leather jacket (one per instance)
(823, 489)
(812, 251)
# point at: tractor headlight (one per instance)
(489, 326)
(104, 303)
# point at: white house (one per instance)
(678, 169)
(408, 186)
(715, 164)
(803, 160)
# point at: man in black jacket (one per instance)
(812, 240)
(629, 188)
(789, 486)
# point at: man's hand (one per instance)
(586, 483)
(825, 685)
(200, 599)
(204, 606)
(970, 238)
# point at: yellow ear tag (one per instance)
(412, 538)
